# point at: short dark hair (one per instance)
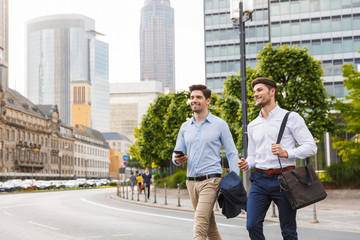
(205, 90)
(267, 81)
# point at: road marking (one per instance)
(151, 214)
(42, 225)
(15, 206)
(7, 213)
(94, 236)
(229, 225)
(122, 235)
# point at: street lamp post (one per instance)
(240, 12)
(60, 156)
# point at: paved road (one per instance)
(92, 214)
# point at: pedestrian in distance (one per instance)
(146, 181)
(263, 152)
(201, 138)
(132, 181)
(139, 182)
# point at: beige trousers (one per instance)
(203, 195)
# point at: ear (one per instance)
(208, 101)
(272, 92)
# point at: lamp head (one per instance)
(235, 11)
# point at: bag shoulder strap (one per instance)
(281, 132)
(282, 128)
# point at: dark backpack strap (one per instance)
(281, 132)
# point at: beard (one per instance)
(264, 101)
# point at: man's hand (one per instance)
(276, 149)
(243, 165)
(181, 159)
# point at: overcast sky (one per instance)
(119, 20)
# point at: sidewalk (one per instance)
(339, 211)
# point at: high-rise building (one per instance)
(157, 51)
(62, 49)
(128, 103)
(4, 43)
(100, 93)
(330, 29)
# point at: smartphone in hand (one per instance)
(179, 152)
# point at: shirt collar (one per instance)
(208, 118)
(272, 112)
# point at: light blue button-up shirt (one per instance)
(202, 145)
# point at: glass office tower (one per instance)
(63, 48)
(100, 92)
(330, 29)
(157, 51)
(4, 43)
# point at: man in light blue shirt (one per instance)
(201, 138)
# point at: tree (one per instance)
(299, 89)
(156, 137)
(349, 112)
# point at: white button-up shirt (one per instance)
(263, 132)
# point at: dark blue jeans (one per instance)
(264, 189)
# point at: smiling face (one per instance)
(198, 102)
(263, 95)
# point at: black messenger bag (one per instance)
(301, 185)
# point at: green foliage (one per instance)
(299, 89)
(156, 137)
(173, 180)
(345, 174)
(349, 110)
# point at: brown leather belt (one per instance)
(275, 171)
(203, 177)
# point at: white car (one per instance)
(71, 184)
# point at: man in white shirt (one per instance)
(263, 153)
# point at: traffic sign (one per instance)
(125, 157)
(125, 163)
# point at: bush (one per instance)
(113, 184)
(173, 180)
(179, 177)
(345, 174)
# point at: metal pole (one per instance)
(178, 186)
(273, 210)
(244, 106)
(314, 215)
(145, 192)
(127, 191)
(154, 192)
(165, 194)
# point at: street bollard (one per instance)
(127, 190)
(165, 194)
(138, 194)
(314, 215)
(145, 193)
(132, 194)
(273, 210)
(178, 186)
(154, 192)
(216, 206)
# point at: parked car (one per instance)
(71, 184)
(7, 187)
(81, 182)
(43, 185)
(28, 184)
(90, 183)
(104, 182)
